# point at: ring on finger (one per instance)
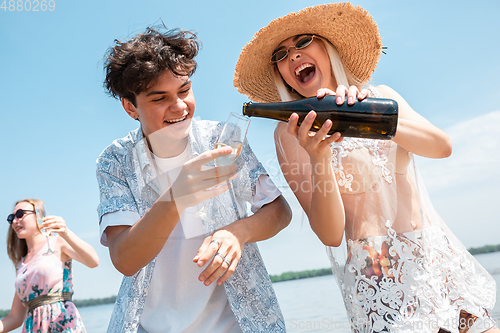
(223, 258)
(215, 241)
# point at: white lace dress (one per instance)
(400, 268)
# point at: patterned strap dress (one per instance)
(45, 274)
(400, 268)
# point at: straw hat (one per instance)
(349, 28)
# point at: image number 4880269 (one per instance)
(28, 5)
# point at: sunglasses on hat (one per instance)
(282, 53)
(19, 214)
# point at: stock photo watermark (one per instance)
(329, 324)
(28, 6)
(350, 177)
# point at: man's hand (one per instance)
(226, 249)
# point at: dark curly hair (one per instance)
(134, 66)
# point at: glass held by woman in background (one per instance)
(40, 220)
(398, 266)
(44, 285)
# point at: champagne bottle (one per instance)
(371, 118)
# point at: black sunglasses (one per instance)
(19, 214)
(282, 52)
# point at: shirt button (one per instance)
(134, 325)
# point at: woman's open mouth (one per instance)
(305, 72)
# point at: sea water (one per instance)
(308, 305)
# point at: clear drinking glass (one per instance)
(40, 215)
(233, 135)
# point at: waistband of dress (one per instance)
(49, 299)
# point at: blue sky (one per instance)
(56, 118)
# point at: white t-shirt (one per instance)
(177, 301)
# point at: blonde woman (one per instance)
(403, 269)
(44, 285)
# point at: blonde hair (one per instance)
(16, 247)
(342, 75)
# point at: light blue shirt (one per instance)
(128, 181)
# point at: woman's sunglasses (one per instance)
(282, 52)
(19, 214)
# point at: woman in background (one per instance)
(44, 279)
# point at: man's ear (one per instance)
(129, 108)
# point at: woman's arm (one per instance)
(15, 317)
(415, 133)
(72, 246)
(305, 161)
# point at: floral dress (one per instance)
(45, 274)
